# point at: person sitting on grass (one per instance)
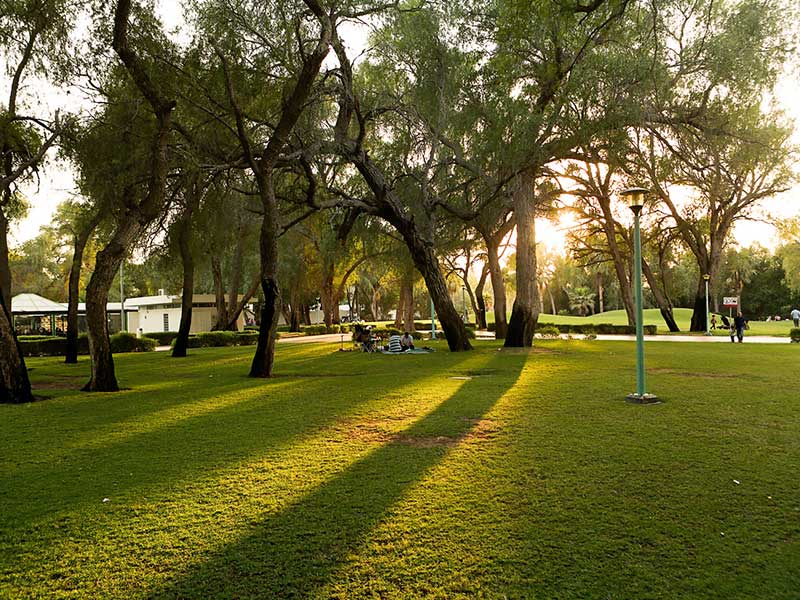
(394, 344)
(407, 342)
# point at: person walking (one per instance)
(738, 326)
(796, 317)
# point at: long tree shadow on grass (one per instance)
(296, 551)
(150, 460)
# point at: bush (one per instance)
(548, 331)
(127, 342)
(314, 329)
(491, 327)
(214, 339)
(255, 327)
(247, 338)
(37, 345)
(164, 338)
(794, 334)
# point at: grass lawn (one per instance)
(487, 474)
(683, 317)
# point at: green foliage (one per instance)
(216, 339)
(548, 331)
(164, 338)
(794, 334)
(128, 342)
(40, 345)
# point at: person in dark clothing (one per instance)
(738, 327)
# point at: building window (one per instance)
(166, 321)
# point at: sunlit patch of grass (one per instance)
(357, 476)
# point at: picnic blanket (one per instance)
(414, 351)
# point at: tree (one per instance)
(709, 129)
(33, 36)
(142, 203)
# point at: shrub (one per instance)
(255, 327)
(548, 331)
(128, 342)
(215, 339)
(164, 338)
(247, 338)
(491, 327)
(37, 345)
(794, 334)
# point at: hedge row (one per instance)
(57, 346)
(214, 339)
(602, 328)
(322, 329)
(164, 338)
(794, 334)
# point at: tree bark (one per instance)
(81, 239)
(15, 387)
(103, 377)
(525, 312)
(498, 289)
(187, 291)
(5, 268)
(480, 303)
(264, 357)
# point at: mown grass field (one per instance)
(488, 474)
(683, 317)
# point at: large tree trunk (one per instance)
(425, 260)
(81, 239)
(264, 357)
(5, 269)
(103, 377)
(525, 312)
(480, 303)
(498, 290)
(187, 292)
(15, 387)
(699, 310)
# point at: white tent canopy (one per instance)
(33, 304)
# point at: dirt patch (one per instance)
(659, 371)
(64, 382)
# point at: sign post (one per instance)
(730, 302)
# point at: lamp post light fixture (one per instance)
(706, 278)
(635, 200)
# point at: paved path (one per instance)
(346, 339)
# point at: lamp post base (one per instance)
(642, 399)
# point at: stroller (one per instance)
(362, 334)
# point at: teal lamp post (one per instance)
(635, 199)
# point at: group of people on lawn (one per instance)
(739, 324)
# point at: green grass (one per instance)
(683, 317)
(359, 476)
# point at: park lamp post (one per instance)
(635, 200)
(464, 302)
(706, 278)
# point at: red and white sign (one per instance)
(730, 301)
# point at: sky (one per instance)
(56, 182)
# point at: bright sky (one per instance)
(57, 182)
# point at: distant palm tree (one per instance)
(581, 299)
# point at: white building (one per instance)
(163, 313)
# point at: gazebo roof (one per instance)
(27, 304)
